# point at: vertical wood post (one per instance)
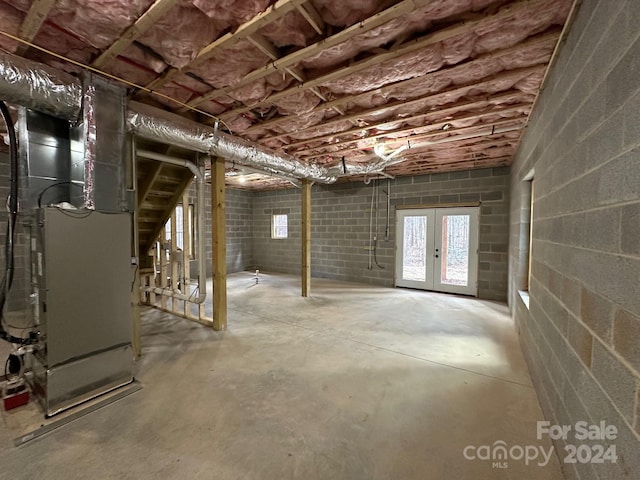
(306, 237)
(219, 244)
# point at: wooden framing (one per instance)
(422, 116)
(296, 57)
(275, 11)
(550, 38)
(311, 15)
(403, 49)
(139, 28)
(170, 206)
(32, 22)
(434, 128)
(482, 130)
(408, 103)
(219, 244)
(306, 237)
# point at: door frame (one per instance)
(434, 214)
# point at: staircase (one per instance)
(160, 188)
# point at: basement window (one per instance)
(279, 226)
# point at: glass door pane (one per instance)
(414, 248)
(454, 269)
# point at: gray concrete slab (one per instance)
(355, 382)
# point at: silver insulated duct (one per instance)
(39, 87)
(48, 90)
(155, 124)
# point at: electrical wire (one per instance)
(7, 280)
(113, 77)
(57, 184)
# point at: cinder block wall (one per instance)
(239, 229)
(340, 226)
(581, 334)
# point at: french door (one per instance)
(437, 249)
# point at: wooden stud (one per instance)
(135, 31)
(33, 21)
(219, 245)
(186, 250)
(306, 237)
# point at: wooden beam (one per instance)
(433, 129)
(306, 237)
(458, 90)
(311, 15)
(219, 245)
(33, 21)
(408, 47)
(135, 31)
(275, 11)
(147, 183)
(296, 57)
(422, 116)
(264, 45)
(457, 132)
(550, 38)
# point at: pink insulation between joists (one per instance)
(10, 21)
(180, 34)
(97, 22)
(405, 25)
(488, 36)
(342, 13)
(230, 65)
(136, 65)
(291, 29)
(259, 90)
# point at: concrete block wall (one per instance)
(239, 229)
(581, 332)
(340, 221)
(18, 298)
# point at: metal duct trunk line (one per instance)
(155, 124)
(48, 90)
(39, 87)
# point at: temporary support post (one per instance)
(306, 237)
(219, 244)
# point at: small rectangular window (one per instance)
(279, 226)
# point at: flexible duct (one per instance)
(39, 87)
(48, 90)
(155, 124)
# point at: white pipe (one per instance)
(200, 188)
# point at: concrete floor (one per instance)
(355, 382)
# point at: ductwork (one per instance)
(155, 124)
(39, 87)
(48, 90)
